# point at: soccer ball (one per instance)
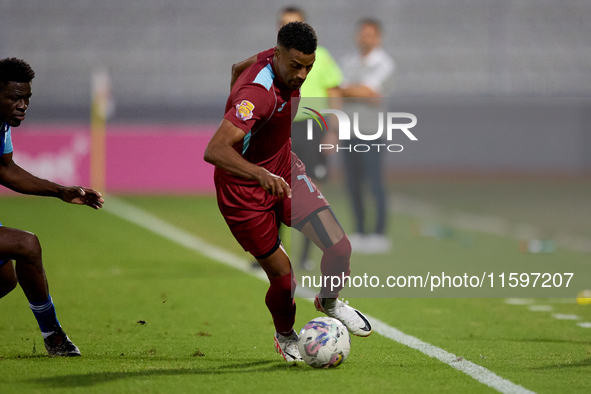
(324, 343)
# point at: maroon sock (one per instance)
(335, 262)
(281, 304)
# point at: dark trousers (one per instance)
(361, 169)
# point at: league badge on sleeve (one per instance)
(244, 110)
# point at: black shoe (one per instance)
(58, 344)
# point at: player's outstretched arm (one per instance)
(220, 153)
(15, 178)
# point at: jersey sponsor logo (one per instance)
(244, 110)
(281, 108)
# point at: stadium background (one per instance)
(169, 65)
(465, 191)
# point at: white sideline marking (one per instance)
(540, 308)
(166, 230)
(181, 237)
(584, 324)
(483, 223)
(562, 316)
(477, 372)
(519, 301)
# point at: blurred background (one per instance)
(171, 60)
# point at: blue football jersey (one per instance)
(5, 138)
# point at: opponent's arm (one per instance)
(15, 178)
(220, 153)
(238, 68)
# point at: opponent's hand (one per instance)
(274, 185)
(82, 196)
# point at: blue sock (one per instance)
(45, 314)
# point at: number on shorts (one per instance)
(305, 178)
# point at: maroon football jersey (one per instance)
(260, 105)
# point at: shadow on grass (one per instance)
(25, 357)
(582, 363)
(92, 379)
(548, 340)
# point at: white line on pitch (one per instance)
(540, 308)
(482, 223)
(166, 230)
(562, 316)
(475, 371)
(519, 301)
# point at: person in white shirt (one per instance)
(367, 74)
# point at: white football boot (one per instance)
(58, 344)
(288, 347)
(356, 323)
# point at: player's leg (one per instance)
(279, 298)
(8, 279)
(373, 171)
(377, 241)
(24, 248)
(305, 262)
(354, 173)
(280, 301)
(309, 212)
(249, 213)
(322, 228)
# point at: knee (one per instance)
(337, 258)
(29, 245)
(340, 250)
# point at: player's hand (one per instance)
(82, 196)
(274, 185)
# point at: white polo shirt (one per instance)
(374, 70)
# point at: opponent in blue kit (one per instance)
(20, 251)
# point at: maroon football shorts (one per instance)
(253, 215)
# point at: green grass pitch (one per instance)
(150, 316)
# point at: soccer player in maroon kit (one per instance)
(251, 150)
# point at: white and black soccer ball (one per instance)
(324, 342)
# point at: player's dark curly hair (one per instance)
(299, 36)
(15, 70)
